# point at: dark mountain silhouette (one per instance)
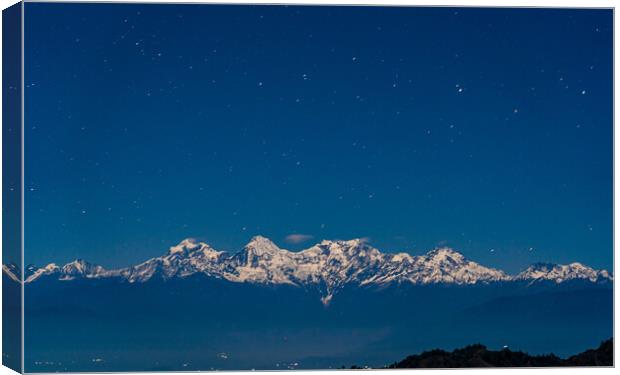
(478, 355)
(601, 356)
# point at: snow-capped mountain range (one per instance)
(328, 265)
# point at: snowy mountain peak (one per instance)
(50, 269)
(401, 257)
(577, 266)
(352, 247)
(327, 266)
(562, 272)
(260, 245)
(78, 265)
(187, 246)
(348, 243)
(445, 254)
(80, 268)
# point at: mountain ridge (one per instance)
(329, 265)
(477, 356)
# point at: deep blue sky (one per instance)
(488, 130)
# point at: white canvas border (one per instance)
(471, 3)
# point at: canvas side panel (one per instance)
(12, 187)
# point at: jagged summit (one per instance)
(260, 245)
(562, 272)
(355, 243)
(258, 239)
(79, 268)
(188, 246)
(445, 253)
(328, 265)
(184, 246)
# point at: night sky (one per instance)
(486, 130)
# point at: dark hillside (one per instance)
(479, 356)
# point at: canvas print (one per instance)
(270, 187)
